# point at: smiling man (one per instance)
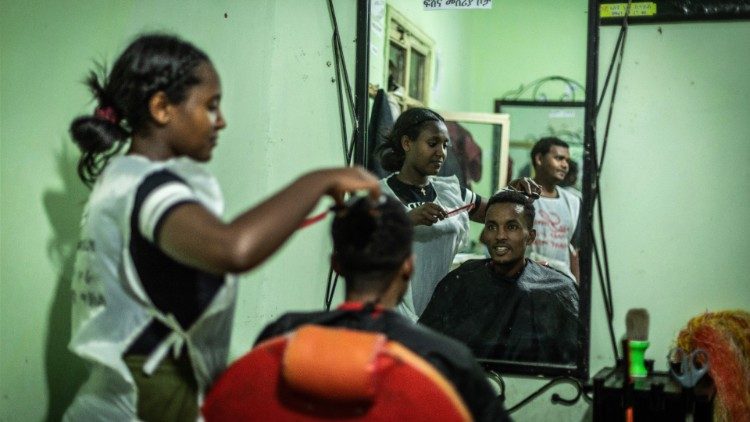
(508, 307)
(557, 210)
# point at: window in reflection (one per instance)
(410, 56)
(397, 64)
(417, 75)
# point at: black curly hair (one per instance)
(370, 242)
(543, 145)
(151, 63)
(515, 197)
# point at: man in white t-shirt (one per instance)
(558, 211)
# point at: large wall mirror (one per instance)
(482, 61)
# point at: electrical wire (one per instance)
(605, 278)
(330, 288)
(606, 295)
(343, 91)
(342, 118)
(498, 379)
(342, 80)
(624, 32)
(609, 72)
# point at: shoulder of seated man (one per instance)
(289, 322)
(552, 276)
(458, 274)
(469, 266)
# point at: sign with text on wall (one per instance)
(617, 10)
(456, 4)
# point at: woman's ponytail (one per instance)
(99, 136)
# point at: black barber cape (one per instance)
(451, 358)
(533, 318)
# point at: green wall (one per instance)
(275, 60)
(676, 158)
(676, 182)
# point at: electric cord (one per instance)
(498, 379)
(624, 32)
(330, 287)
(609, 72)
(605, 297)
(344, 95)
(342, 119)
(605, 278)
(342, 80)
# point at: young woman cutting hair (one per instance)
(153, 297)
(416, 150)
(439, 207)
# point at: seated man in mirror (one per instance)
(507, 307)
(557, 210)
(372, 250)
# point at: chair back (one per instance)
(320, 373)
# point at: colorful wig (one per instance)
(725, 335)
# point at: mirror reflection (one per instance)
(507, 307)
(547, 144)
(494, 268)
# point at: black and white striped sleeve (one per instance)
(157, 196)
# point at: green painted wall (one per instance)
(523, 41)
(676, 160)
(676, 182)
(275, 60)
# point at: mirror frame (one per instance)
(590, 177)
(500, 140)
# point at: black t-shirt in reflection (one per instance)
(533, 318)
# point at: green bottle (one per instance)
(637, 350)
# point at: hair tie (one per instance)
(108, 114)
